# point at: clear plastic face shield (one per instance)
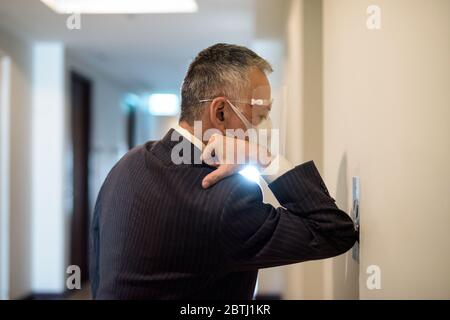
(261, 116)
(254, 112)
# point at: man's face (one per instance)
(259, 89)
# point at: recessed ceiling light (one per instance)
(121, 6)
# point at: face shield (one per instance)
(254, 112)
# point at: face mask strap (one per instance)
(241, 116)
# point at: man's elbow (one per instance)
(345, 240)
(342, 239)
(350, 240)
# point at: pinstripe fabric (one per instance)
(156, 234)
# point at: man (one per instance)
(170, 229)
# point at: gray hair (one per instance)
(221, 69)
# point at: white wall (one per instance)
(48, 156)
(5, 110)
(154, 127)
(386, 113)
(19, 257)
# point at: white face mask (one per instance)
(263, 129)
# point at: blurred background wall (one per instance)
(386, 119)
(357, 101)
(16, 191)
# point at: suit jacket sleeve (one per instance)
(309, 226)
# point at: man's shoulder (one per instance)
(130, 163)
(133, 155)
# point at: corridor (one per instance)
(360, 87)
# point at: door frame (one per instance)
(75, 248)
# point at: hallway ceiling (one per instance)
(144, 52)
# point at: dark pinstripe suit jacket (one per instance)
(156, 234)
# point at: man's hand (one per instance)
(229, 155)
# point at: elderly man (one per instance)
(173, 220)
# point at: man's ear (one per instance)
(217, 113)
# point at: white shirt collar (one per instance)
(189, 136)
